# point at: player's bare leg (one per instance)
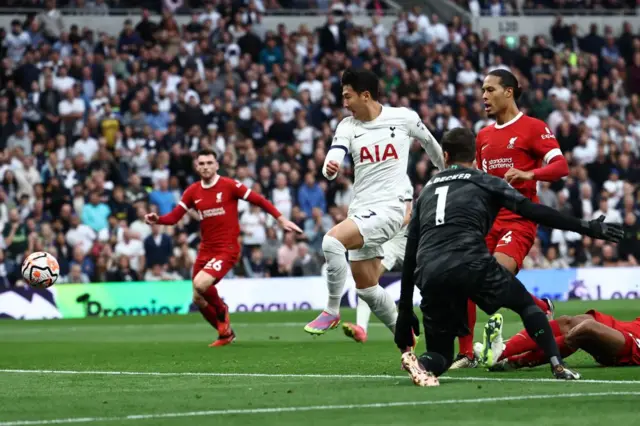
(204, 286)
(603, 343)
(342, 237)
(358, 331)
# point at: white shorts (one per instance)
(377, 226)
(394, 250)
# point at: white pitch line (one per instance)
(66, 328)
(277, 410)
(310, 376)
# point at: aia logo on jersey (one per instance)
(389, 152)
(512, 143)
(219, 197)
(548, 135)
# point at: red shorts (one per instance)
(216, 265)
(630, 355)
(514, 238)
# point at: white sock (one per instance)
(334, 254)
(381, 304)
(363, 313)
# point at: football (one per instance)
(40, 269)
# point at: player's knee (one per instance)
(507, 262)
(565, 323)
(202, 282)
(584, 330)
(331, 245)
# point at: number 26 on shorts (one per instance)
(215, 264)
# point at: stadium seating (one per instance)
(97, 129)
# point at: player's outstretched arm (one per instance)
(418, 130)
(170, 218)
(547, 216)
(264, 204)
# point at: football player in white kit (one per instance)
(379, 139)
(393, 256)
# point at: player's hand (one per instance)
(605, 231)
(287, 225)
(333, 167)
(407, 325)
(150, 218)
(514, 176)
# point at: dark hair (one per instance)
(507, 79)
(362, 80)
(206, 152)
(460, 143)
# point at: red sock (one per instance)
(466, 342)
(522, 342)
(210, 315)
(541, 304)
(518, 344)
(213, 299)
(537, 357)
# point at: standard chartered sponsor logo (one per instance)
(499, 163)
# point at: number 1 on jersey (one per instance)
(441, 204)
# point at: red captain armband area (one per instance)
(263, 203)
(173, 216)
(556, 167)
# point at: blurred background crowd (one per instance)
(97, 129)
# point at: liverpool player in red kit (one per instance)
(215, 199)
(609, 341)
(522, 150)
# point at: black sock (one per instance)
(537, 325)
(434, 363)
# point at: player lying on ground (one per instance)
(215, 199)
(514, 148)
(609, 341)
(448, 260)
(393, 255)
(379, 139)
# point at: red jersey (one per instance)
(523, 143)
(217, 206)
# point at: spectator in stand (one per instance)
(305, 265)
(76, 276)
(157, 247)
(95, 213)
(102, 113)
(162, 198)
(287, 254)
(311, 195)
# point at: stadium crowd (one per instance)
(98, 129)
(547, 7)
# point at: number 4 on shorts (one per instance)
(215, 264)
(506, 238)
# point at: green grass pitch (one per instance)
(66, 372)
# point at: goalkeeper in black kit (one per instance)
(447, 259)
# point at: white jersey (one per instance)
(380, 152)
